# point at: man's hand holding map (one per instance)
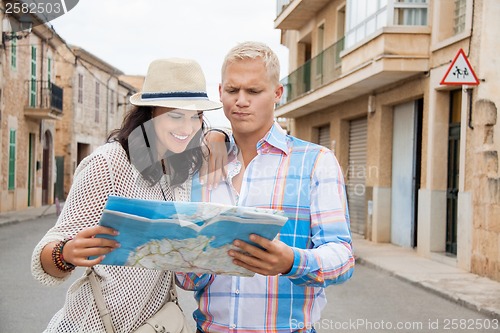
(184, 236)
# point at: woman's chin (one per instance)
(178, 149)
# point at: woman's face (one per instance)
(175, 128)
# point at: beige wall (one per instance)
(337, 117)
(479, 190)
(79, 124)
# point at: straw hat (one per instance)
(175, 83)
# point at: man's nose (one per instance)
(242, 99)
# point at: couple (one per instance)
(267, 169)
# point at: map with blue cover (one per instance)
(183, 236)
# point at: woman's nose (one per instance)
(184, 127)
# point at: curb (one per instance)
(8, 222)
(4, 221)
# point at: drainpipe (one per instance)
(469, 102)
(41, 75)
(107, 106)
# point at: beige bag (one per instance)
(169, 319)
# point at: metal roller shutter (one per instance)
(356, 175)
(324, 136)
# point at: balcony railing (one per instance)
(281, 5)
(315, 73)
(45, 100)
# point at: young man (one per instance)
(271, 169)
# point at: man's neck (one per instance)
(247, 147)
(247, 144)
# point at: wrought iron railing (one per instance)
(281, 5)
(45, 95)
(316, 72)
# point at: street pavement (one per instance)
(438, 276)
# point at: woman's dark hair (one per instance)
(138, 137)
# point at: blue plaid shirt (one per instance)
(305, 181)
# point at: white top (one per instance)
(132, 295)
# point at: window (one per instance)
(459, 24)
(80, 88)
(97, 100)
(13, 53)
(321, 38)
(12, 159)
(112, 102)
(410, 12)
(340, 35)
(364, 17)
(33, 78)
(49, 71)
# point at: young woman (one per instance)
(152, 156)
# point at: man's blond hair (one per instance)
(254, 50)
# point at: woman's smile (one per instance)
(180, 137)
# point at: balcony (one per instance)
(391, 55)
(320, 70)
(294, 14)
(45, 100)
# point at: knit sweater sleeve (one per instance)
(92, 184)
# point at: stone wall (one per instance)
(486, 196)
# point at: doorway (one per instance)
(46, 168)
(406, 160)
(31, 167)
(453, 171)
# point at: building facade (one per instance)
(57, 104)
(30, 108)
(96, 101)
(420, 157)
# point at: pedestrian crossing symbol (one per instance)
(460, 72)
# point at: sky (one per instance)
(129, 34)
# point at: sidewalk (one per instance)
(467, 289)
(27, 214)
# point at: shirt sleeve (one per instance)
(331, 259)
(82, 209)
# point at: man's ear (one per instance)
(278, 92)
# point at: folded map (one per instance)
(184, 236)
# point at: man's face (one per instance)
(248, 97)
